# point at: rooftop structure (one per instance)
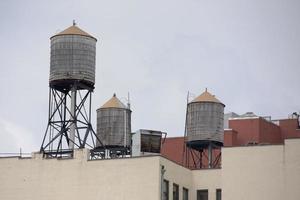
(203, 129)
(71, 83)
(114, 129)
(241, 132)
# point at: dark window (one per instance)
(165, 190)
(218, 194)
(151, 141)
(185, 194)
(175, 192)
(202, 194)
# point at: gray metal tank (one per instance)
(114, 124)
(204, 121)
(73, 55)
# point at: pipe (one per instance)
(125, 129)
(209, 156)
(162, 173)
(73, 118)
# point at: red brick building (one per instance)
(242, 131)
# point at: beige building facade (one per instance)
(250, 172)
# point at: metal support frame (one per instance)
(109, 152)
(201, 158)
(69, 122)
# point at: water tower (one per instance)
(71, 83)
(204, 132)
(113, 129)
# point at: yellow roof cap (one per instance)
(206, 97)
(74, 30)
(114, 102)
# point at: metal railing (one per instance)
(19, 154)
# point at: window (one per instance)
(185, 194)
(202, 194)
(218, 194)
(175, 192)
(165, 190)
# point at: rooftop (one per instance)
(74, 30)
(206, 97)
(114, 102)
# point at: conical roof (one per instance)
(114, 102)
(74, 30)
(206, 97)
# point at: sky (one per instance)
(247, 53)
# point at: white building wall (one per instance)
(136, 144)
(292, 169)
(206, 179)
(49, 179)
(262, 172)
(255, 172)
(252, 172)
(179, 175)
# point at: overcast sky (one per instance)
(245, 52)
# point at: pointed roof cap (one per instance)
(114, 102)
(73, 30)
(206, 97)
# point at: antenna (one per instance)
(128, 104)
(187, 98)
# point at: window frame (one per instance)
(202, 191)
(185, 191)
(175, 191)
(218, 192)
(166, 194)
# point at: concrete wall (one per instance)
(270, 172)
(262, 172)
(115, 179)
(111, 179)
(292, 169)
(208, 179)
(178, 175)
(253, 173)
